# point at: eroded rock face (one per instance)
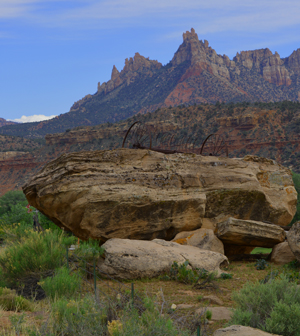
(249, 233)
(141, 194)
(132, 259)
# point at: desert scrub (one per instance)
(150, 322)
(9, 300)
(62, 284)
(34, 253)
(273, 307)
(78, 317)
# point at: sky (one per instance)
(53, 53)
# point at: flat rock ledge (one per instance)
(135, 259)
(142, 194)
(249, 233)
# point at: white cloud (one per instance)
(36, 117)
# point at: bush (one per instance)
(10, 199)
(261, 264)
(225, 276)
(9, 300)
(149, 323)
(62, 284)
(35, 253)
(78, 317)
(273, 307)
(187, 275)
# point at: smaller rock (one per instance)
(282, 254)
(218, 313)
(293, 238)
(212, 299)
(201, 238)
(237, 330)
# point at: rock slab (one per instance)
(249, 233)
(142, 194)
(237, 330)
(133, 259)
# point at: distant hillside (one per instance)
(4, 122)
(196, 74)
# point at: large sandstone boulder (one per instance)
(237, 330)
(249, 233)
(293, 238)
(201, 238)
(142, 194)
(282, 254)
(132, 259)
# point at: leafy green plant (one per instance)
(273, 307)
(209, 314)
(62, 284)
(261, 264)
(225, 276)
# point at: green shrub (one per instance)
(273, 307)
(10, 199)
(225, 276)
(62, 284)
(9, 300)
(79, 317)
(35, 253)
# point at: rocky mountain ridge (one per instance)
(196, 74)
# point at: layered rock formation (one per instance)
(249, 233)
(141, 194)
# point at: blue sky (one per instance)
(52, 53)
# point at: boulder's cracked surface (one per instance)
(142, 194)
